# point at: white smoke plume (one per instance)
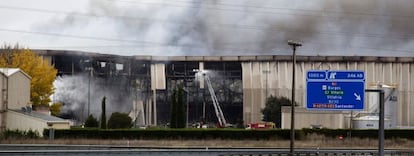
(73, 91)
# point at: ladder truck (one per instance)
(217, 108)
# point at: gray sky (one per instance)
(212, 27)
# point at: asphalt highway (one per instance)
(87, 150)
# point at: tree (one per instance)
(177, 115)
(173, 110)
(119, 120)
(103, 114)
(180, 108)
(273, 108)
(91, 122)
(43, 74)
(55, 108)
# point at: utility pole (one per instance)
(293, 44)
(89, 91)
(90, 70)
(187, 91)
(187, 109)
(381, 118)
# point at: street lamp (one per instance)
(89, 89)
(90, 69)
(293, 44)
(187, 107)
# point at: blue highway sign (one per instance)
(335, 90)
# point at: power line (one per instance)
(209, 3)
(140, 43)
(166, 45)
(80, 37)
(223, 26)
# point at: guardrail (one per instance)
(326, 152)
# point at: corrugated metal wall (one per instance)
(158, 82)
(278, 77)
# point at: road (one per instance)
(87, 150)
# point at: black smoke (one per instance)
(241, 27)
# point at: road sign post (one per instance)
(335, 90)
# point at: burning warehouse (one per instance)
(372, 36)
(141, 85)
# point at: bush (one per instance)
(186, 134)
(119, 120)
(55, 108)
(91, 122)
(177, 111)
(273, 109)
(224, 134)
(19, 134)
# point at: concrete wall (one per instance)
(305, 118)
(3, 97)
(20, 121)
(279, 79)
(61, 125)
(3, 88)
(19, 91)
(14, 94)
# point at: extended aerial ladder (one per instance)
(217, 108)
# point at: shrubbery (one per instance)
(19, 134)
(91, 122)
(177, 111)
(273, 109)
(224, 134)
(190, 134)
(119, 120)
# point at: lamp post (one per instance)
(89, 89)
(89, 93)
(293, 44)
(90, 69)
(187, 107)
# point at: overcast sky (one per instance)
(212, 27)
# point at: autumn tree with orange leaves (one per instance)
(42, 72)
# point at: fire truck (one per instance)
(261, 125)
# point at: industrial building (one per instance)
(241, 83)
(15, 109)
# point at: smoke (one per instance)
(241, 27)
(73, 91)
